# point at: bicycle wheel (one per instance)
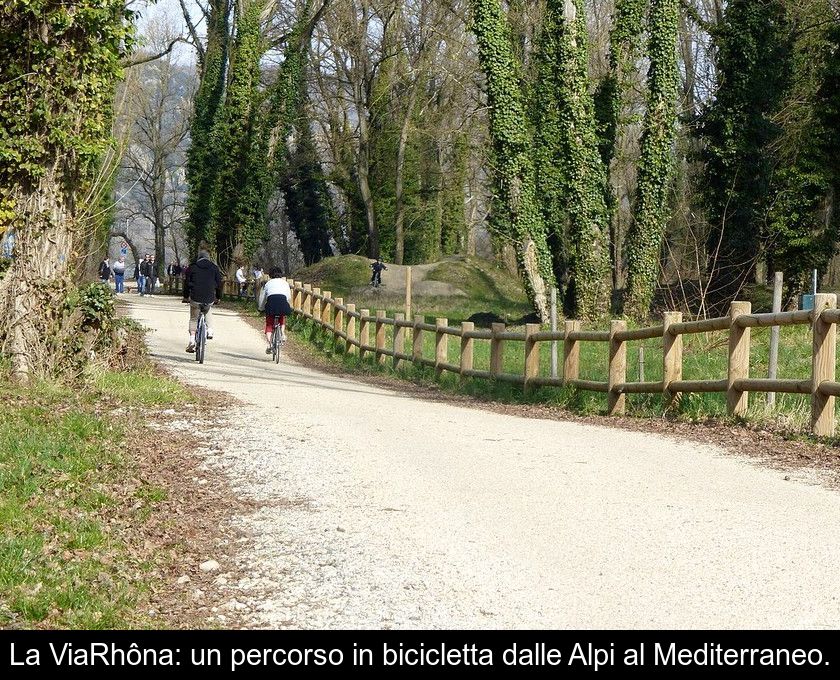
(275, 345)
(200, 338)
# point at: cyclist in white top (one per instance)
(274, 301)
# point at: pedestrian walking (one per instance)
(119, 275)
(138, 276)
(104, 271)
(242, 280)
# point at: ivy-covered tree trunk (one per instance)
(655, 167)
(614, 113)
(238, 220)
(201, 164)
(58, 71)
(513, 151)
(571, 181)
(305, 192)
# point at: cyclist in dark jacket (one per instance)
(376, 277)
(202, 286)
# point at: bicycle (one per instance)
(201, 332)
(276, 341)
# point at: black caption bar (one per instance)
(570, 652)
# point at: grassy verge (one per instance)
(704, 357)
(69, 500)
(487, 289)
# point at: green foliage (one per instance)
(453, 239)
(59, 65)
(803, 220)
(201, 163)
(571, 181)
(238, 207)
(512, 149)
(304, 186)
(644, 239)
(754, 65)
(613, 93)
(96, 303)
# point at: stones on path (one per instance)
(209, 565)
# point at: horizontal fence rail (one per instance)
(362, 333)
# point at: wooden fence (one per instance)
(354, 330)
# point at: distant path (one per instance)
(380, 510)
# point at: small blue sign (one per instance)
(9, 245)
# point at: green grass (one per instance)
(704, 357)
(140, 387)
(338, 274)
(488, 289)
(61, 465)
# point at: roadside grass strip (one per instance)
(67, 480)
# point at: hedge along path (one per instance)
(822, 385)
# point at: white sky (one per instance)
(168, 12)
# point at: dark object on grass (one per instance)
(484, 319)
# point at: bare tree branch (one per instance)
(152, 57)
(193, 33)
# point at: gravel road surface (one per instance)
(379, 510)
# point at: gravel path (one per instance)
(379, 510)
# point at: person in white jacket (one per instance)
(274, 301)
(242, 280)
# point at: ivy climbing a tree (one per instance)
(201, 158)
(59, 64)
(512, 149)
(570, 174)
(237, 219)
(614, 112)
(644, 239)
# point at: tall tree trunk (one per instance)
(363, 172)
(656, 165)
(39, 273)
(399, 189)
(513, 151)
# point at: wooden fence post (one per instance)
(617, 369)
(326, 310)
(399, 339)
(380, 337)
(364, 333)
(739, 360)
(496, 349)
(823, 366)
(466, 347)
(295, 295)
(338, 324)
(571, 353)
(316, 306)
(417, 339)
(351, 328)
(672, 346)
(532, 356)
(441, 345)
(307, 299)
